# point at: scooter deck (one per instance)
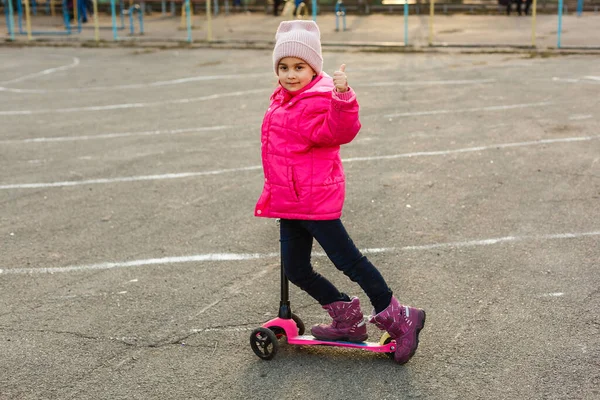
(310, 340)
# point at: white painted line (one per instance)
(569, 80)
(119, 135)
(137, 85)
(580, 117)
(228, 77)
(257, 256)
(258, 167)
(44, 72)
(473, 149)
(127, 106)
(465, 110)
(557, 294)
(584, 79)
(127, 179)
(427, 83)
(137, 263)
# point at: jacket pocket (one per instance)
(292, 184)
(336, 175)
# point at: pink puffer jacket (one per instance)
(300, 139)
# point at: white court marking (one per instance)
(258, 256)
(132, 105)
(258, 167)
(200, 78)
(136, 85)
(556, 294)
(127, 179)
(585, 79)
(119, 134)
(426, 83)
(44, 72)
(579, 117)
(465, 110)
(217, 96)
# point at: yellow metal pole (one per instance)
(431, 13)
(209, 21)
(75, 11)
(52, 10)
(96, 23)
(28, 20)
(533, 18)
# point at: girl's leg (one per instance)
(340, 249)
(402, 322)
(296, 247)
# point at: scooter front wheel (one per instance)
(264, 343)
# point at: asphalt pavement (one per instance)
(132, 267)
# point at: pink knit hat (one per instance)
(300, 39)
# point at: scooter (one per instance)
(265, 340)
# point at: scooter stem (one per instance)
(284, 305)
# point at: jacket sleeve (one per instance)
(337, 123)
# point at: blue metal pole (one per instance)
(188, 20)
(121, 3)
(405, 22)
(131, 11)
(560, 13)
(314, 10)
(20, 19)
(579, 7)
(142, 11)
(66, 17)
(9, 21)
(80, 13)
(6, 13)
(113, 11)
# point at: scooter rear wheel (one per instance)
(385, 339)
(264, 343)
(299, 324)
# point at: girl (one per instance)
(309, 117)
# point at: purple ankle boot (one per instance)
(347, 325)
(403, 323)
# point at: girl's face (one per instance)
(294, 73)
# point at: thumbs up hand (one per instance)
(340, 80)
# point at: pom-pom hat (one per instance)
(300, 39)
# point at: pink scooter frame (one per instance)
(291, 331)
